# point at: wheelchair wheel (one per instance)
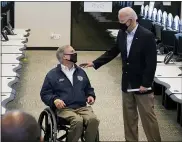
(47, 126)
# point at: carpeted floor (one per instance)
(106, 82)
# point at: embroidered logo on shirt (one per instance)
(61, 79)
(80, 78)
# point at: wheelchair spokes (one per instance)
(50, 126)
(45, 123)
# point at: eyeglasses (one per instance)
(70, 53)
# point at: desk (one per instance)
(11, 58)
(7, 82)
(12, 43)
(9, 70)
(13, 49)
(160, 58)
(6, 98)
(160, 61)
(170, 86)
(21, 31)
(163, 71)
(17, 37)
(173, 85)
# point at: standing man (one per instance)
(139, 57)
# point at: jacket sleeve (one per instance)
(89, 90)
(150, 61)
(46, 93)
(108, 55)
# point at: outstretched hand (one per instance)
(86, 65)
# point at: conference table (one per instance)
(11, 58)
(10, 70)
(12, 52)
(12, 43)
(169, 76)
(13, 49)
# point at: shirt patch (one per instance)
(61, 79)
(80, 78)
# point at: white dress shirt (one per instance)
(130, 39)
(68, 72)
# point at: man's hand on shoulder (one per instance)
(90, 100)
(59, 104)
(86, 65)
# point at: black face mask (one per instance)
(123, 27)
(73, 57)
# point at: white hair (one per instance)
(128, 13)
(60, 52)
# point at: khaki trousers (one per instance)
(78, 118)
(145, 105)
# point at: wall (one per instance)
(44, 18)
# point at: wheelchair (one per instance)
(51, 125)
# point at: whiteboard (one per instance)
(97, 6)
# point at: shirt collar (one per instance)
(66, 68)
(133, 31)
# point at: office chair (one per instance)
(167, 41)
(154, 15)
(159, 16)
(150, 10)
(158, 30)
(146, 23)
(169, 22)
(142, 10)
(146, 11)
(164, 18)
(176, 23)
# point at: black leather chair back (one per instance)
(158, 30)
(168, 38)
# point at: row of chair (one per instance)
(163, 26)
(13, 43)
(162, 18)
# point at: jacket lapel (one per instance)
(124, 45)
(135, 39)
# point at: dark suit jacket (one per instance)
(139, 67)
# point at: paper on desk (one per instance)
(134, 90)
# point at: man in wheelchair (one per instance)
(67, 89)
